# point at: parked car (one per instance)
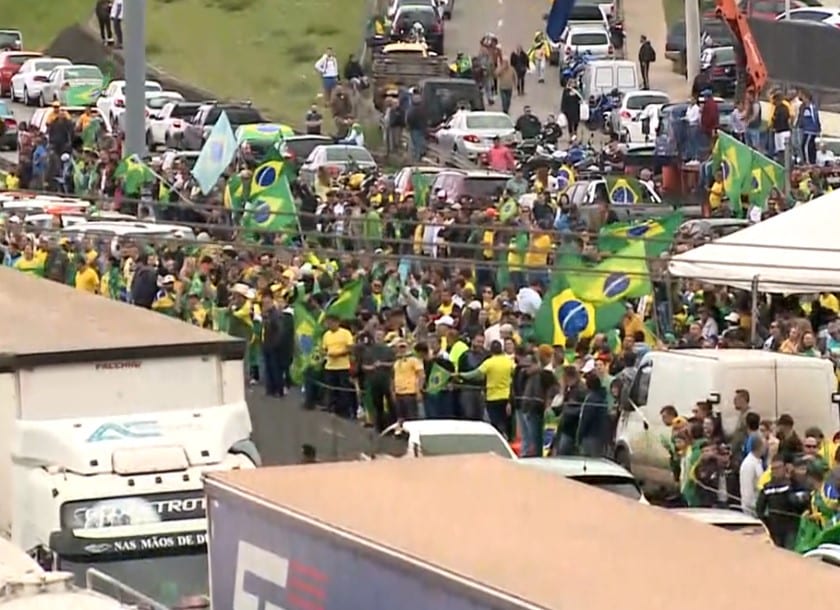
(335, 159)
(442, 96)
(403, 180)
(595, 472)
(813, 14)
(470, 134)
(427, 16)
(198, 129)
(111, 103)
(395, 5)
(475, 183)
(11, 40)
(592, 40)
(168, 123)
(298, 148)
(9, 133)
(714, 30)
(64, 78)
(39, 117)
(583, 13)
(624, 120)
(26, 84)
(156, 101)
(10, 64)
(720, 63)
(436, 437)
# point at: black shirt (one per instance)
(529, 126)
(313, 116)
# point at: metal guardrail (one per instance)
(107, 585)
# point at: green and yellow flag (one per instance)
(438, 379)
(657, 233)
(134, 174)
(346, 303)
(622, 276)
(625, 190)
(271, 206)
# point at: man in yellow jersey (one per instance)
(497, 371)
(337, 344)
(407, 384)
(29, 262)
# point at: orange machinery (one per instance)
(755, 70)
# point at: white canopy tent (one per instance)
(795, 252)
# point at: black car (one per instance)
(720, 67)
(199, 128)
(298, 147)
(714, 31)
(426, 16)
(443, 96)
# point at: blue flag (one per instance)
(216, 154)
(558, 17)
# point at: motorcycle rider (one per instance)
(551, 131)
(418, 33)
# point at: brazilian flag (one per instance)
(734, 159)
(271, 206)
(563, 319)
(624, 190)
(307, 331)
(234, 195)
(508, 209)
(438, 379)
(622, 276)
(420, 185)
(346, 304)
(657, 233)
(134, 174)
(565, 178)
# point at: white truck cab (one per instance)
(110, 415)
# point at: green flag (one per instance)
(734, 159)
(622, 276)
(625, 190)
(307, 332)
(271, 207)
(657, 233)
(765, 174)
(134, 174)
(420, 184)
(90, 133)
(438, 379)
(346, 304)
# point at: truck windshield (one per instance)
(164, 578)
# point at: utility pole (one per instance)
(692, 39)
(134, 54)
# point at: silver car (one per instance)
(471, 133)
(63, 79)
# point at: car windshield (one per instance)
(9, 38)
(489, 121)
(621, 486)
(82, 72)
(236, 116)
(19, 59)
(183, 111)
(480, 188)
(164, 578)
(157, 102)
(589, 39)
(724, 55)
(640, 102)
(343, 154)
(585, 12)
(412, 14)
(458, 444)
(47, 66)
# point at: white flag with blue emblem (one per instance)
(216, 154)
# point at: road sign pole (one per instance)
(134, 54)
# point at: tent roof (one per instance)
(795, 252)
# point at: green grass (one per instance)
(259, 50)
(41, 20)
(674, 11)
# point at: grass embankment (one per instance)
(258, 50)
(674, 11)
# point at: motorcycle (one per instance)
(573, 67)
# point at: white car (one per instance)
(111, 103)
(826, 553)
(626, 119)
(593, 40)
(471, 133)
(27, 84)
(156, 101)
(814, 14)
(39, 117)
(729, 520)
(596, 472)
(432, 437)
(335, 159)
(167, 124)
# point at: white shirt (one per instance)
(327, 66)
(710, 328)
(692, 114)
(528, 301)
(117, 9)
(751, 471)
(825, 157)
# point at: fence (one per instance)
(105, 584)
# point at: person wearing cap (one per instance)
(167, 300)
(337, 344)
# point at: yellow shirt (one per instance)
(88, 280)
(407, 373)
(33, 266)
(12, 182)
(487, 241)
(716, 195)
(537, 255)
(498, 374)
(337, 345)
(830, 302)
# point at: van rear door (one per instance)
(804, 389)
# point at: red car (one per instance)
(10, 63)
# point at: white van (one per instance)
(778, 383)
(603, 76)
